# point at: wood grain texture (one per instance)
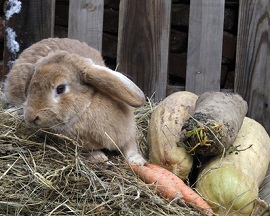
(53, 5)
(205, 45)
(143, 44)
(33, 23)
(252, 79)
(86, 21)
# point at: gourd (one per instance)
(217, 118)
(230, 184)
(265, 187)
(164, 130)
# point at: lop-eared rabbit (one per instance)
(63, 84)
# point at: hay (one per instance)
(40, 174)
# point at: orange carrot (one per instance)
(164, 184)
(170, 186)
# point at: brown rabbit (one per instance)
(64, 85)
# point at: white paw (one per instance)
(96, 157)
(137, 159)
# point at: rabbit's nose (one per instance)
(36, 120)
(31, 118)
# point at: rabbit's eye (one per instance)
(60, 89)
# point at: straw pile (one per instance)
(40, 174)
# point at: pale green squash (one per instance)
(231, 184)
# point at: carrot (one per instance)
(164, 184)
(170, 186)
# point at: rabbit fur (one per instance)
(64, 85)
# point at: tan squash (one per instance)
(230, 185)
(265, 187)
(164, 130)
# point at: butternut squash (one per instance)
(164, 130)
(231, 184)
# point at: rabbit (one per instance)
(64, 85)
(22, 70)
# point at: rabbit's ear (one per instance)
(113, 83)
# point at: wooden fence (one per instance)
(143, 44)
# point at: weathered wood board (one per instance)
(34, 22)
(85, 21)
(252, 79)
(143, 44)
(205, 45)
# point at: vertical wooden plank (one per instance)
(253, 59)
(52, 17)
(266, 101)
(31, 24)
(143, 44)
(205, 45)
(86, 21)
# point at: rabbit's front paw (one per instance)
(137, 159)
(96, 157)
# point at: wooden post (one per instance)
(205, 45)
(31, 24)
(252, 79)
(143, 44)
(86, 21)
